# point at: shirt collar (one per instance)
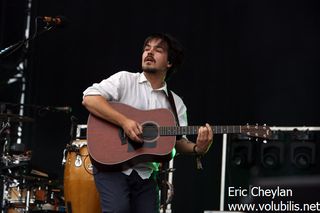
(143, 79)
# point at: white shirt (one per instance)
(135, 90)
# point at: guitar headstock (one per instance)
(256, 131)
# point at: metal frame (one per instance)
(224, 155)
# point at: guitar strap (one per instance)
(174, 109)
(173, 106)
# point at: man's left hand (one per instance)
(204, 139)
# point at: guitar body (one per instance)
(110, 149)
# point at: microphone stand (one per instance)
(24, 42)
(12, 48)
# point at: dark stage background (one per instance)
(246, 62)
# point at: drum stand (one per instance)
(3, 189)
(27, 208)
(166, 186)
(5, 171)
(5, 202)
(4, 163)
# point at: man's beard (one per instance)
(149, 70)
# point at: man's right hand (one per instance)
(133, 130)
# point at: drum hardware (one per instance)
(74, 132)
(74, 122)
(17, 148)
(78, 161)
(39, 174)
(81, 132)
(22, 190)
(5, 131)
(17, 194)
(64, 157)
(28, 201)
(75, 147)
(5, 126)
(69, 148)
(166, 187)
(14, 118)
(14, 163)
(28, 193)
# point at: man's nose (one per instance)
(151, 51)
(150, 54)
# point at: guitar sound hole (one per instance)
(149, 132)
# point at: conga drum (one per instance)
(80, 193)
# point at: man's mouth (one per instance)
(149, 59)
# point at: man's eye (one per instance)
(146, 48)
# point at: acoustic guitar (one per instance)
(109, 146)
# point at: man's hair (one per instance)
(175, 51)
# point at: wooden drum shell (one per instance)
(80, 191)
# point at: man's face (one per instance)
(155, 56)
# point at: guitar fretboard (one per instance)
(193, 130)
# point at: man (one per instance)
(135, 190)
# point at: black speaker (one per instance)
(303, 154)
(241, 153)
(272, 154)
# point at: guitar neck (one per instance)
(193, 130)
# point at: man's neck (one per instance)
(156, 79)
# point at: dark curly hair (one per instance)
(175, 51)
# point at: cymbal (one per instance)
(14, 118)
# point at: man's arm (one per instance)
(100, 107)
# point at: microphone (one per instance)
(54, 21)
(65, 109)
